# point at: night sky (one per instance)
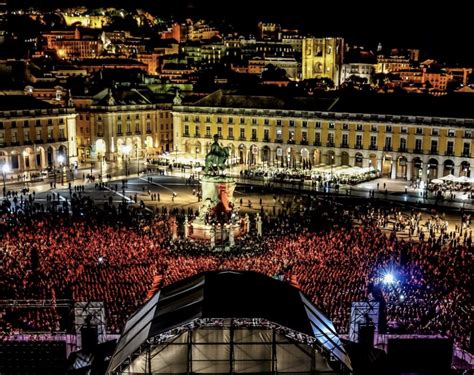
(443, 31)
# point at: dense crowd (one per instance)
(53, 257)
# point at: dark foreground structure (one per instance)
(229, 322)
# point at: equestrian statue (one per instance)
(216, 158)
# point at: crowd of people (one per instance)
(335, 254)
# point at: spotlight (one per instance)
(100, 260)
(402, 298)
(388, 279)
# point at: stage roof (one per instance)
(227, 294)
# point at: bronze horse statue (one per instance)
(217, 157)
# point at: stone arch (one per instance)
(100, 147)
(305, 158)
(373, 161)
(266, 154)
(290, 157)
(358, 160)
(387, 165)
(148, 143)
(344, 158)
(40, 157)
(317, 157)
(188, 147)
(417, 165)
(402, 165)
(3, 158)
(279, 156)
(242, 153)
(253, 155)
(232, 155)
(448, 167)
(28, 156)
(432, 170)
(50, 152)
(330, 157)
(120, 144)
(465, 169)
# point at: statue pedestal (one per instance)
(216, 212)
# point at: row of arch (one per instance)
(34, 158)
(400, 167)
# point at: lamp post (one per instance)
(332, 162)
(463, 197)
(126, 151)
(61, 161)
(5, 170)
(138, 160)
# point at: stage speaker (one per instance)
(366, 335)
(89, 338)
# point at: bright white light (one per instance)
(388, 279)
(126, 149)
(5, 168)
(402, 298)
(60, 159)
(100, 260)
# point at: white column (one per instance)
(424, 171)
(393, 172)
(440, 170)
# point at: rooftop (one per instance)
(447, 106)
(21, 102)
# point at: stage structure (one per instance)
(363, 313)
(89, 315)
(217, 221)
(229, 322)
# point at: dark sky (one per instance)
(442, 30)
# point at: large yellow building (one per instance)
(323, 58)
(410, 137)
(111, 120)
(33, 134)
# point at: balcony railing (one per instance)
(433, 152)
(148, 131)
(278, 140)
(402, 149)
(449, 153)
(186, 134)
(197, 135)
(242, 139)
(373, 147)
(359, 146)
(266, 140)
(291, 142)
(230, 137)
(387, 148)
(344, 145)
(417, 151)
(304, 142)
(330, 144)
(254, 139)
(466, 154)
(317, 143)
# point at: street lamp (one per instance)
(463, 197)
(5, 170)
(61, 161)
(332, 162)
(126, 151)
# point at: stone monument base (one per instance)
(223, 233)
